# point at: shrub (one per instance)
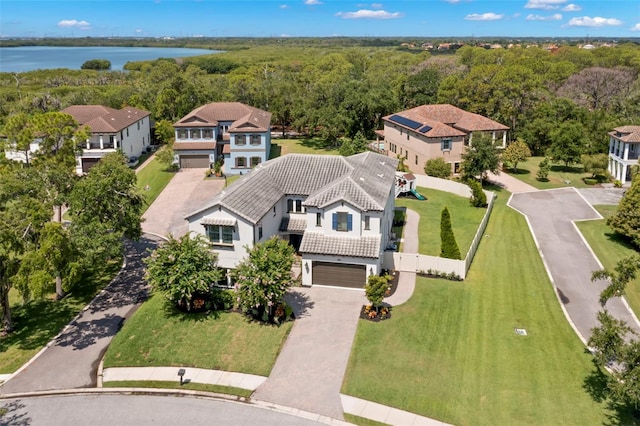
(543, 170)
(478, 197)
(448, 245)
(590, 181)
(617, 184)
(437, 167)
(96, 64)
(375, 289)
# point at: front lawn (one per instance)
(161, 336)
(152, 179)
(464, 217)
(558, 176)
(280, 147)
(451, 352)
(610, 248)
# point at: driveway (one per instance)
(309, 371)
(71, 360)
(186, 192)
(568, 258)
(602, 196)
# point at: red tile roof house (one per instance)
(236, 133)
(127, 130)
(624, 151)
(431, 131)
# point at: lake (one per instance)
(29, 58)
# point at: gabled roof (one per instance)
(102, 119)
(363, 180)
(627, 133)
(443, 120)
(243, 117)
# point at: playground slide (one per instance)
(418, 195)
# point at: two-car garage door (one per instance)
(339, 274)
(194, 161)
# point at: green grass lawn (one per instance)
(528, 170)
(156, 177)
(281, 147)
(39, 321)
(464, 218)
(451, 352)
(157, 335)
(610, 248)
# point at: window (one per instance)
(260, 232)
(416, 160)
(456, 168)
(182, 134)
(318, 219)
(294, 206)
(195, 133)
(342, 221)
(138, 125)
(219, 234)
(367, 223)
(255, 161)
(240, 140)
(407, 135)
(274, 210)
(127, 132)
(256, 139)
(241, 162)
(446, 145)
(207, 134)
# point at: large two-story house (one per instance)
(127, 130)
(232, 132)
(436, 131)
(336, 211)
(624, 151)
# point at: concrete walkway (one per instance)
(511, 184)
(407, 280)
(384, 414)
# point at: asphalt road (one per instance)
(71, 360)
(124, 410)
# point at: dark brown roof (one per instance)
(190, 146)
(244, 117)
(627, 133)
(101, 119)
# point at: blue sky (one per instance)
(266, 18)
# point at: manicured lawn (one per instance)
(39, 321)
(152, 179)
(610, 248)
(451, 352)
(528, 170)
(158, 384)
(281, 147)
(464, 218)
(157, 335)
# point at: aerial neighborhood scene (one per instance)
(320, 212)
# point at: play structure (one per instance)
(406, 184)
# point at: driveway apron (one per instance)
(309, 371)
(568, 258)
(71, 360)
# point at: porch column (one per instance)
(611, 144)
(115, 143)
(610, 166)
(626, 151)
(504, 138)
(101, 142)
(88, 143)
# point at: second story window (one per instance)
(256, 139)
(219, 234)
(367, 223)
(182, 134)
(240, 140)
(207, 134)
(342, 221)
(294, 206)
(446, 145)
(318, 219)
(195, 133)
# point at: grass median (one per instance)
(152, 179)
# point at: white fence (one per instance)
(421, 263)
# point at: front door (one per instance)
(295, 240)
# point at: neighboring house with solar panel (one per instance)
(624, 151)
(127, 130)
(337, 212)
(232, 132)
(431, 131)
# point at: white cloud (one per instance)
(586, 21)
(484, 17)
(376, 5)
(284, 6)
(636, 27)
(369, 14)
(312, 2)
(572, 8)
(544, 4)
(138, 31)
(554, 17)
(72, 23)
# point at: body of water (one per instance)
(29, 58)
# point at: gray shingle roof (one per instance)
(293, 224)
(363, 180)
(319, 243)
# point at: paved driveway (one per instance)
(567, 257)
(187, 192)
(310, 368)
(597, 196)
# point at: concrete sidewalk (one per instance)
(407, 280)
(510, 183)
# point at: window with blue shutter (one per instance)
(335, 221)
(342, 221)
(349, 222)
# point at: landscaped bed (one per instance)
(159, 335)
(452, 353)
(464, 218)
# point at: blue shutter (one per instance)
(349, 222)
(335, 221)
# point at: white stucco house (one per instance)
(127, 130)
(238, 134)
(624, 151)
(336, 211)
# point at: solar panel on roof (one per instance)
(405, 121)
(425, 129)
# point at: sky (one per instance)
(318, 18)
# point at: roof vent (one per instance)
(382, 162)
(362, 179)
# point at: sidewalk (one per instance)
(510, 183)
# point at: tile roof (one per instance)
(244, 117)
(189, 146)
(626, 133)
(364, 180)
(447, 120)
(101, 119)
(319, 243)
(293, 224)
